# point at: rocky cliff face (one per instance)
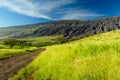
(79, 29)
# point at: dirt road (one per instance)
(10, 66)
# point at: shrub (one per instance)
(10, 42)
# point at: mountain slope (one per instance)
(18, 31)
(73, 29)
(93, 58)
(79, 28)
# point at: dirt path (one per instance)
(10, 66)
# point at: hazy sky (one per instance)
(20, 12)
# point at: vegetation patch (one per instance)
(11, 47)
(4, 53)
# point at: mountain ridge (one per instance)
(70, 29)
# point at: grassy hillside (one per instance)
(37, 42)
(92, 58)
(16, 31)
(45, 40)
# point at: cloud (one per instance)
(79, 14)
(33, 9)
(47, 9)
(24, 7)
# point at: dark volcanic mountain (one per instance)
(71, 29)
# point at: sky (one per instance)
(21, 12)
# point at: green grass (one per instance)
(6, 51)
(9, 52)
(45, 40)
(92, 58)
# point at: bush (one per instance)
(13, 42)
(10, 42)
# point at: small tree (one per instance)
(13, 42)
(23, 43)
(10, 42)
